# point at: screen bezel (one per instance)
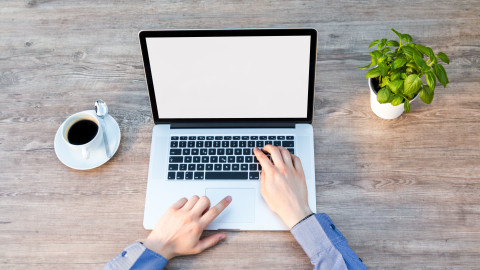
(143, 35)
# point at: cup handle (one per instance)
(85, 153)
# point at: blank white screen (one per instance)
(230, 77)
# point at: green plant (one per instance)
(400, 67)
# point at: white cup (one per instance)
(93, 143)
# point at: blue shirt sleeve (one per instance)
(136, 256)
(326, 247)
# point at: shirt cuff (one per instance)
(149, 260)
(127, 258)
(316, 234)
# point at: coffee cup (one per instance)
(82, 132)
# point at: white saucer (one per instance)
(98, 156)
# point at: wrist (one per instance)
(296, 217)
(159, 247)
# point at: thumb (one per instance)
(209, 241)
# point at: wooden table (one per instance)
(405, 192)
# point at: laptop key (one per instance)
(218, 137)
(171, 175)
(289, 137)
(183, 167)
(244, 167)
(194, 151)
(174, 138)
(229, 151)
(198, 175)
(196, 159)
(180, 176)
(245, 138)
(231, 159)
(192, 138)
(200, 167)
(214, 159)
(287, 144)
(253, 167)
(201, 138)
(238, 151)
(208, 144)
(235, 167)
(248, 159)
(277, 143)
(175, 152)
(263, 137)
(226, 167)
(203, 151)
(240, 159)
(222, 159)
(186, 152)
(183, 138)
(281, 137)
(189, 175)
(174, 144)
(291, 150)
(191, 144)
(205, 159)
(226, 175)
(272, 137)
(188, 159)
(218, 167)
(254, 175)
(210, 138)
(182, 144)
(247, 151)
(242, 143)
(221, 151)
(236, 138)
(209, 167)
(175, 159)
(191, 167)
(173, 167)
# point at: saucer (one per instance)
(98, 156)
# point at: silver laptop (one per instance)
(215, 95)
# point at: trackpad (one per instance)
(240, 210)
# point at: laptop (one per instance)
(215, 95)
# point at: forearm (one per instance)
(326, 247)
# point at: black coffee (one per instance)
(82, 132)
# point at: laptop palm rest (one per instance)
(240, 210)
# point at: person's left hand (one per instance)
(178, 231)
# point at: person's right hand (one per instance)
(283, 184)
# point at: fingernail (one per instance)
(228, 198)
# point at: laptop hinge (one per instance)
(234, 125)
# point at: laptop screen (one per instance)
(230, 77)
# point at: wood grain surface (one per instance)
(405, 192)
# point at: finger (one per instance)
(209, 241)
(275, 153)
(202, 205)
(189, 205)
(297, 163)
(287, 157)
(179, 204)
(211, 214)
(263, 159)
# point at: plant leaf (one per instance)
(393, 43)
(406, 106)
(408, 51)
(383, 96)
(376, 54)
(425, 50)
(383, 68)
(399, 62)
(443, 57)
(407, 38)
(420, 62)
(373, 43)
(396, 86)
(397, 100)
(365, 67)
(411, 85)
(374, 72)
(426, 94)
(441, 74)
(431, 80)
(397, 33)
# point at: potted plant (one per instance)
(397, 73)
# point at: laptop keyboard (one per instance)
(219, 157)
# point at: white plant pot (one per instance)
(386, 110)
